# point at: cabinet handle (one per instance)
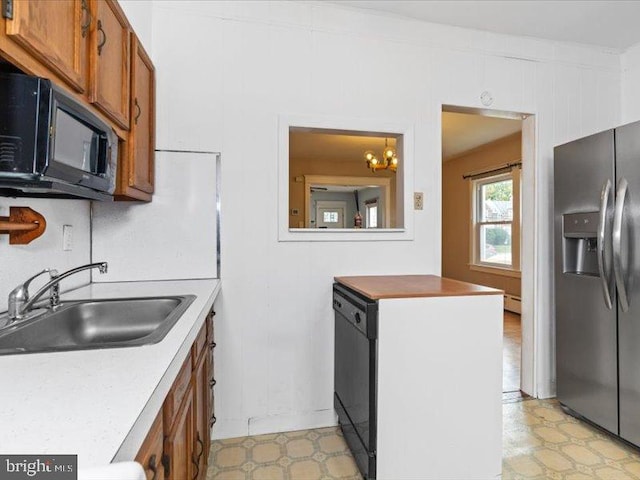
(152, 466)
(88, 18)
(195, 462)
(166, 463)
(201, 447)
(139, 111)
(212, 345)
(213, 382)
(104, 37)
(213, 421)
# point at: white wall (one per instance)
(226, 70)
(173, 237)
(18, 262)
(139, 13)
(630, 62)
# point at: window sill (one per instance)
(505, 272)
(345, 234)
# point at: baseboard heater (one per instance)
(512, 304)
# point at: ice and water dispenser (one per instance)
(579, 247)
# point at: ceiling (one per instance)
(612, 24)
(462, 131)
(306, 145)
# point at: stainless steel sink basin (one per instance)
(82, 325)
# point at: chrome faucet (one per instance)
(19, 302)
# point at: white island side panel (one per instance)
(440, 388)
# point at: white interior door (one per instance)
(330, 214)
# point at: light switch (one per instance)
(67, 238)
(418, 200)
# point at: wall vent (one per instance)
(513, 304)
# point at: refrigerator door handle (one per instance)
(602, 224)
(623, 299)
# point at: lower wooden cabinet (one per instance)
(177, 446)
(179, 442)
(151, 453)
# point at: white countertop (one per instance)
(89, 402)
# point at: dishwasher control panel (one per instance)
(360, 312)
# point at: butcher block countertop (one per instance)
(410, 286)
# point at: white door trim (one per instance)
(534, 361)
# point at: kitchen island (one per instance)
(98, 404)
(435, 407)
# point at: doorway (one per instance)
(483, 242)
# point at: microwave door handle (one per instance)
(601, 250)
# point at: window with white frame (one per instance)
(371, 220)
(496, 221)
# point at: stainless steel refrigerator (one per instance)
(597, 268)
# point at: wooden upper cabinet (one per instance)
(109, 62)
(138, 161)
(55, 33)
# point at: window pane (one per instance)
(495, 244)
(496, 201)
(372, 216)
(330, 217)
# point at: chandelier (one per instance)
(389, 159)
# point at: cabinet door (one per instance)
(109, 62)
(55, 33)
(178, 447)
(201, 430)
(142, 137)
(150, 454)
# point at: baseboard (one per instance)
(292, 421)
(229, 429)
(513, 304)
(289, 422)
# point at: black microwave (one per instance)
(51, 145)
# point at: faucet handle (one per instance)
(25, 285)
(20, 295)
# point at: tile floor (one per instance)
(540, 442)
(318, 454)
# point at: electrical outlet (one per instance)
(418, 200)
(67, 238)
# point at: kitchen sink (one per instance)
(90, 324)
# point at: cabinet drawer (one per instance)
(177, 392)
(199, 345)
(150, 454)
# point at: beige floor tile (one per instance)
(553, 460)
(582, 455)
(549, 434)
(525, 465)
(272, 472)
(266, 452)
(342, 466)
(331, 443)
(305, 469)
(610, 473)
(230, 457)
(608, 449)
(230, 475)
(300, 448)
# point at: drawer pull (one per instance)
(213, 421)
(212, 345)
(152, 466)
(213, 382)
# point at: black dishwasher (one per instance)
(355, 374)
